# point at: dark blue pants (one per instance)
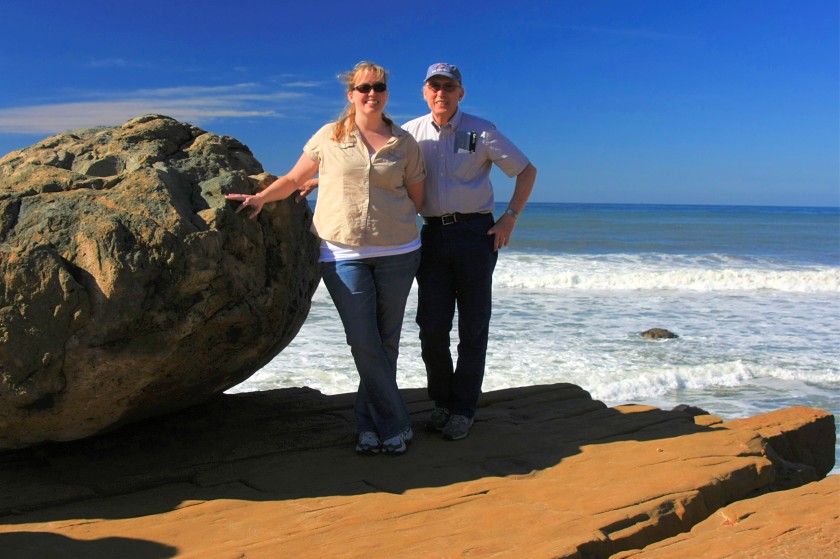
(456, 269)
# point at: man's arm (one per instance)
(306, 188)
(521, 192)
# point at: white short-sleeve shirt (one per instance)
(459, 157)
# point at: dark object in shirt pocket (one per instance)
(465, 141)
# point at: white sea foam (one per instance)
(739, 353)
(657, 272)
(591, 339)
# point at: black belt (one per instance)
(449, 219)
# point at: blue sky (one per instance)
(614, 101)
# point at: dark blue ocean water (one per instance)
(785, 234)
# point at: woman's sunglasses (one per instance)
(378, 87)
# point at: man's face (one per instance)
(443, 95)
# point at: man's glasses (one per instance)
(378, 87)
(448, 87)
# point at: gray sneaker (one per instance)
(457, 428)
(437, 421)
(397, 443)
(368, 443)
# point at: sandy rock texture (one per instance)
(546, 472)
(801, 523)
(128, 287)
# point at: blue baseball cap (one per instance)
(444, 69)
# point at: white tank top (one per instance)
(333, 252)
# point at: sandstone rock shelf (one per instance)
(546, 472)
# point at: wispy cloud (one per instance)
(116, 62)
(107, 63)
(194, 104)
(304, 84)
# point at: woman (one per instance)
(370, 189)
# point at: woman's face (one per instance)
(371, 102)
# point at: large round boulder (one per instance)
(128, 285)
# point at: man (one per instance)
(460, 243)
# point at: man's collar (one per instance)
(453, 123)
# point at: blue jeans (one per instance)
(456, 268)
(370, 295)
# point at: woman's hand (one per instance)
(280, 189)
(247, 201)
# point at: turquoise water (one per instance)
(753, 293)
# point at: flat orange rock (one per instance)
(798, 523)
(545, 472)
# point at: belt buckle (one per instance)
(449, 219)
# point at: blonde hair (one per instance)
(347, 120)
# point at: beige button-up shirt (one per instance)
(362, 199)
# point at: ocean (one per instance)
(752, 292)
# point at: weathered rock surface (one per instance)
(546, 472)
(802, 523)
(128, 287)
